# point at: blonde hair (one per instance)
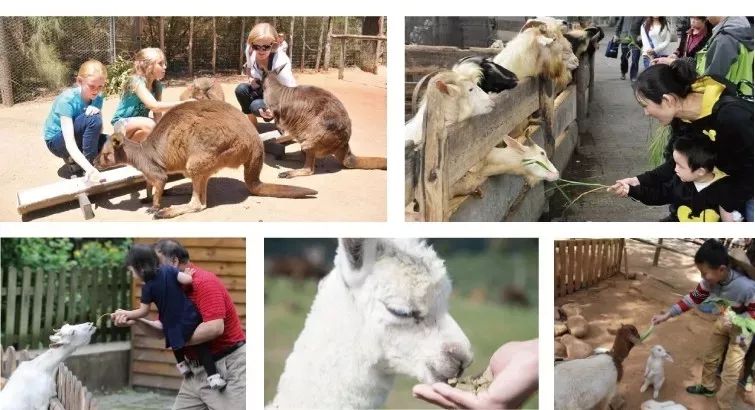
(92, 68)
(263, 31)
(144, 62)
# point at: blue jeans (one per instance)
(626, 51)
(86, 131)
(250, 99)
(646, 60)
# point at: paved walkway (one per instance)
(128, 399)
(615, 148)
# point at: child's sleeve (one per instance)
(694, 298)
(652, 195)
(658, 175)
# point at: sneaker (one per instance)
(75, 170)
(216, 382)
(669, 218)
(699, 389)
(184, 369)
(623, 76)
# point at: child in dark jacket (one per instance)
(699, 191)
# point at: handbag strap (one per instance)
(652, 46)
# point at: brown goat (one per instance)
(197, 138)
(203, 88)
(626, 338)
(317, 120)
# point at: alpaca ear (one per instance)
(360, 254)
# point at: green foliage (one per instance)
(62, 254)
(658, 141)
(118, 75)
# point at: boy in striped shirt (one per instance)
(722, 281)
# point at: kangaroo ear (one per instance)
(279, 69)
(117, 139)
(359, 255)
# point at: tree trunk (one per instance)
(291, 42)
(371, 27)
(275, 23)
(136, 33)
(6, 86)
(319, 42)
(327, 44)
(214, 46)
(162, 34)
(190, 46)
(303, 40)
(242, 46)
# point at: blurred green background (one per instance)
(494, 299)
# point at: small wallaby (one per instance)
(317, 120)
(203, 88)
(197, 138)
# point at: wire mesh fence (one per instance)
(40, 55)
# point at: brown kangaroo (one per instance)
(197, 138)
(203, 88)
(317, 120)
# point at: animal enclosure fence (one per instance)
(40, 55)
(71, 393)
(35, 302)
(445, 156)
(581, 263)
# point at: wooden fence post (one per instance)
(657, 254)
(434, 179)
(6, 83)
(547, 94)
(583, 74)
(342, 59)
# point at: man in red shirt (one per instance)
(220, 326)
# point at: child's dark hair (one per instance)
(712, 253)
(699, 150)
(144, 261)
(659, 79)
(172, 249)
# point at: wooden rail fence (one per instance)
(447, 153)
(35, 302)
(581, 263)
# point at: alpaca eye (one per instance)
(404, 314)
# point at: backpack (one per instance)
(740, 72)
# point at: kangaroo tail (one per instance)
(256, 187)
(353, 161)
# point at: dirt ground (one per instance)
(344, 195)
(635, 302)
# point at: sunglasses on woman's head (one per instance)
(259, 47)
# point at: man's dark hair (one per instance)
(144, 261)
(172, 249)
(712, 253)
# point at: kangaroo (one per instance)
(197, 138)
(317, 120)
(203, 88)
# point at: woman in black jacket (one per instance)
(674, 95)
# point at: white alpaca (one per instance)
(654, 369)
(32, 386)
(456, 97)
(382, 311)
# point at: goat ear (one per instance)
(117, 139)
(513, 144)
(443, 87)
(360, 254)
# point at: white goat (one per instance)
(32, 386)
(454, 96)
(529, 161)
(540, 48)
(657, 405)
(591, 382)
(654, 369)
(382, 311)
